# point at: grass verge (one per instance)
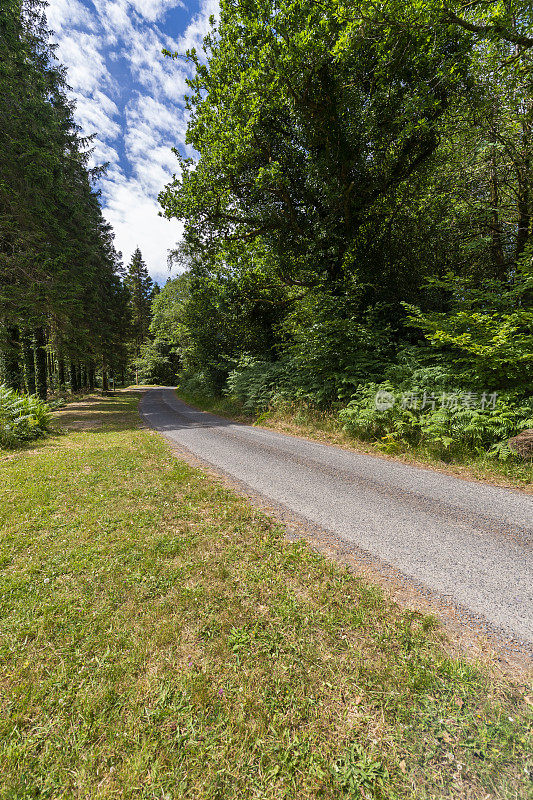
(160, 639)
(300, 420)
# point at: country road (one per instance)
(467, 541)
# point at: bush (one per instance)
(198, 383)
(157, 364)
(456, 427)
(255, 383)
(331, 349)
(22, 417)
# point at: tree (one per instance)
(307, 118)
(489, 332)
(141, 291)
(495, 20)
(353, 160)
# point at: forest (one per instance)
(358, 222)
(62, 301)
(71, 315)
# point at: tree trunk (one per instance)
(524, 210)
(496, 247)
(105, 385)
(61, 372)
(50, 366)
(11, 358)
(39, 351)
(91, 376)
(73, 378)
(28, 362)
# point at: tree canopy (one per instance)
(360, 207)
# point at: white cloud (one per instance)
(102, 153)
(138, 119)
(152, 10)
(160, 76)
(160, 116)
(69, 14)
(150, 132)
(87, 70)
(198, 27)
(135, 220)
(95, 115)
(115, 18)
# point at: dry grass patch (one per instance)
(95, 411)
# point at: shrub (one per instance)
(22, 417)
(198, 383)
(460, 426)
(156, 364)
(255, 383)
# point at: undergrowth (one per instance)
(22, 418)
(363, 427)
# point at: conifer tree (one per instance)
(141, 291)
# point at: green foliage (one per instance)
(167, 313)
(447, 425)
(495, 20)
(155, 364)
(330, 349)
(256, 383)
(140, 290)
(307, 118)
(224, 311)
(490, 330)
(357, 773)
(22, 417)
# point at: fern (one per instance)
(22, 417)
(446, 432)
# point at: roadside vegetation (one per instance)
(159, 637)
(22, 418)
(495, 464)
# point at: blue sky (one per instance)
(131, 97)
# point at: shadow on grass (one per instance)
(92, 414)
(110, 412)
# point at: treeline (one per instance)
(359, 217)
(63, 307)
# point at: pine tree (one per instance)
(141, 291)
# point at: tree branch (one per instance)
(487, 31)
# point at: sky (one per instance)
(131, 97)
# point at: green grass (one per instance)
(300, 420)
(160, 639)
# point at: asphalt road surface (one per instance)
(466, 541)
